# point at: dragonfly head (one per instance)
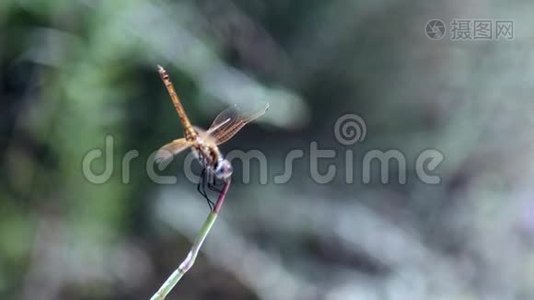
(223, 169)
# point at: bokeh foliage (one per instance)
(74, 72)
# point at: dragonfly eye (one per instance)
(223, 169)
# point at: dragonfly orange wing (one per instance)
(230, 121)
(166, 152)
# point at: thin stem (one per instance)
(188, 262)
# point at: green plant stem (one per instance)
(188, 262)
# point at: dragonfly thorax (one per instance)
(211, 159)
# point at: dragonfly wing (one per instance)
(205, 135)
(166, 152)
(230, 121)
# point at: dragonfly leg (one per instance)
(215, 185)
(215, 188)
(206, 184)
(205, 179)
(201, 187)
(219, 184)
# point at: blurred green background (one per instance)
(74, 72)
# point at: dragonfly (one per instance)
(204, 143)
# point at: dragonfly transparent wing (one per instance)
(231, 120)
(204, 135)
(166, 152)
